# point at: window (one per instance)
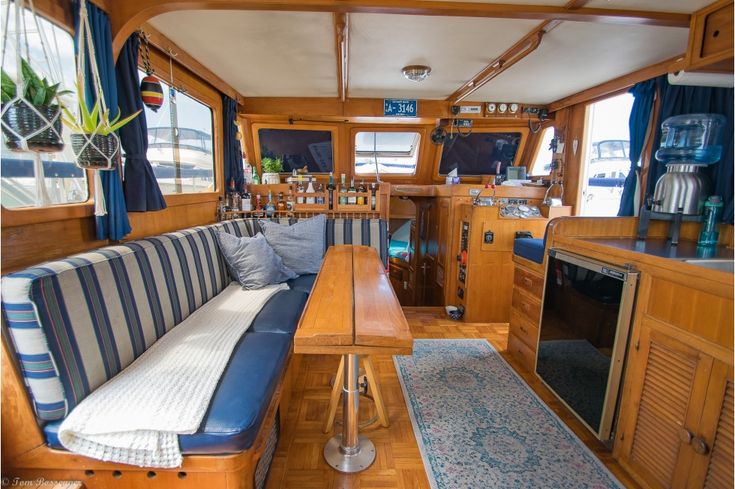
(389, 152)
(65, 183)
(479, 153)
(606, 164)
(298, 148)
(542, 163)
(180, 146)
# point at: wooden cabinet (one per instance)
(676, 421)
(711, 38)
(525, 315)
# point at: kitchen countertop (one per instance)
(685, 250)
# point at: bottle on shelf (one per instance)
(221, 209)
(256, 178)
(361, 191)
(342, 190)
(281, 204)
(299, 189)
(320, 194)
(233, 196)
(330, 190)
(270, 207)
(310, 190)
(352, 198)
(245, 202)
(289, 199)
(373, 196)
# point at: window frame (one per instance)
(523, 130)
(538, 144)
(423, 150)
(333, 129)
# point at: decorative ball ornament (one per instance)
(151, 92)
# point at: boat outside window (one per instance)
(542, 162)
(180, 144)
(606, 164)
(65, 182)
(387, 152)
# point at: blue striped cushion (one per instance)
(77, 322)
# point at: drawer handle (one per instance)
(527, 282)
(685, 436)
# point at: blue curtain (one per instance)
(142, 192)
(640, 115)
(233, 152)
(684, 99)
(115, 225)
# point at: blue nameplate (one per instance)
(395, 107)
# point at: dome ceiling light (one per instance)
(416, 73)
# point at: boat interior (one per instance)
(365, 243)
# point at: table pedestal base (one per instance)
(363, 457)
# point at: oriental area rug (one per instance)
(479, 426)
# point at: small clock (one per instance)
(502, 108)
(513, 108)
(491, 108)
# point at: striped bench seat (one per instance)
(75, 323)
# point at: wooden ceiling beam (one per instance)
(127, 16)
(342, 50)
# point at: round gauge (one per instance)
(513, 108)
(491, 108)
(502, 108)
(523, 208)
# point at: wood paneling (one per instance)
(342, 52)
(711, 38)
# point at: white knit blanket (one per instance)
(136, 417)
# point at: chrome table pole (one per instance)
(350, 452)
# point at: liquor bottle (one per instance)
(221, 209)
(289, 199)
(373, 196)
(320, 194)
(330, 189)
(258, 203)
(299, 190)
(234, 196)
(342, 190)
(352, 198)
(245, 202)
(256, 178)
(361, 190)
(281, 204)
(310, 190)
(270, 207)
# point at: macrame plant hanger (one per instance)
(91, 142)
(40, 126)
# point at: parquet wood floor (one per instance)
(298, 462)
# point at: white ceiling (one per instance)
(292, 54)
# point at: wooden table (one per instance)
(352, 311)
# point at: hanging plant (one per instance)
(94, 141)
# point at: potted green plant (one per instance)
(36, 117)
(271, 167)
(94, 141)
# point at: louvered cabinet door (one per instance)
(664, 407)
(712, 467)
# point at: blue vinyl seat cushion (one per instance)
(530, 248)
(240, 401)
(304, 283)
(281, 313)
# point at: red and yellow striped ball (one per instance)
(151, 92)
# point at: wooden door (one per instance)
(428, 291)
(669, 383)
(712, 466)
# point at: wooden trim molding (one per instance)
(128, 15)
(342, 50)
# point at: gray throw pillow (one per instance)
(301, 245)
(252, 261)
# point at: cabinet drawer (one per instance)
(529, 281)
(524, 329)
(521, 352)
(527, 305)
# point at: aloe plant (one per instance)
(37, 90)
(94, 121)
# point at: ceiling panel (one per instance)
(455, 48)
(577, 55)
(679, 6)
(260, 54)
